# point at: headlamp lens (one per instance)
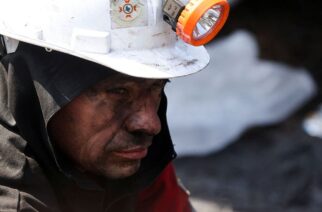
(207, 22)
(196, 21)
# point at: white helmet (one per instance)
(128, 36)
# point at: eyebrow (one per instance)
(130, 80)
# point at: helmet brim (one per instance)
(170, 61)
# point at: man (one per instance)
(83, 111)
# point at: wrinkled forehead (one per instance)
(121, 80)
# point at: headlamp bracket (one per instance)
(171, 12)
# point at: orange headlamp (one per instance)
(198, 21)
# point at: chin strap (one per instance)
(3, 49)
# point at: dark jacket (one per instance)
(34, 176)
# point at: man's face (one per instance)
(108, 128)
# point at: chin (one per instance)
(121, 171)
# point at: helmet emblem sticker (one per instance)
(128, 13)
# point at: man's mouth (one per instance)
(133, 153)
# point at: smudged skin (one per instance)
(106, 130)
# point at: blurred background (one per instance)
(248, 128)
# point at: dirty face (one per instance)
(107, 130)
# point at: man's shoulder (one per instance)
(9, 198)
(23, 184)
(12, 199)
(25, 189)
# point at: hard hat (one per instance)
(128, 36)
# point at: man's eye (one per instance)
(158, 86)
(119, 91)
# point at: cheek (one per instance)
(106, 115)
(105, 125)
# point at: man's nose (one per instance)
(144, 118)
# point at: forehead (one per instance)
(118, 78)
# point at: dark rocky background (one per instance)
(278, 167)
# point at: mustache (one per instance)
(131, 141)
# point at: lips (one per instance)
(133, 154)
